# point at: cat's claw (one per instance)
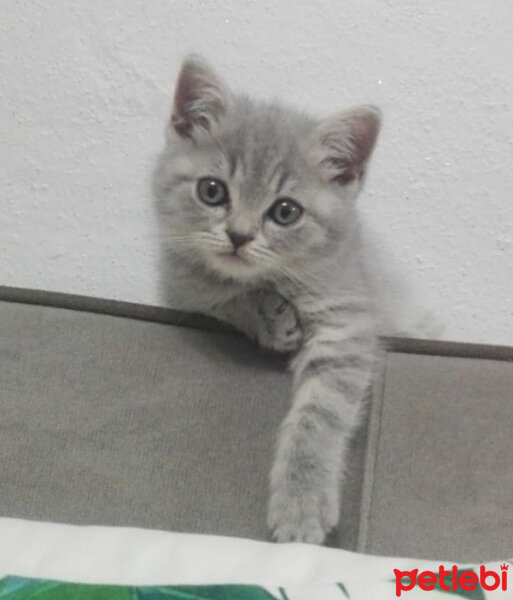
(281, 330)
(304, 518)
(304, 533)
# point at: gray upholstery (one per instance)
(115, 421)
(120, 421)
(439, 483)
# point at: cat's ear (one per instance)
(201, 98)
(342, 144)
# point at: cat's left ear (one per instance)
(342, 144)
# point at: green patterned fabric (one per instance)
(16, 588)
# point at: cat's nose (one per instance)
(239, 239)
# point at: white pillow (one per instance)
(137, 557)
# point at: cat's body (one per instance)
(256, 204)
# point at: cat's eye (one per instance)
(285, 211)
(212, 191)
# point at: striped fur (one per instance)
(300, 288)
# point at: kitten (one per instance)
(256, 204)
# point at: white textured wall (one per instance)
(85, 89)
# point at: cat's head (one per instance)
(254, 190)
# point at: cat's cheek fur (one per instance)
(298, 244)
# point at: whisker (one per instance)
(302, 279)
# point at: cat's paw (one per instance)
(280, 329)
(302, 517)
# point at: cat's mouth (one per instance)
(233, 257)
(234, 265)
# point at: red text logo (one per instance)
(451, 580)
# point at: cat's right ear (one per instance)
(201, 99)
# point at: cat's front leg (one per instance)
(331, 374)
(266, 317)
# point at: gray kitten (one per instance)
(256, 204)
